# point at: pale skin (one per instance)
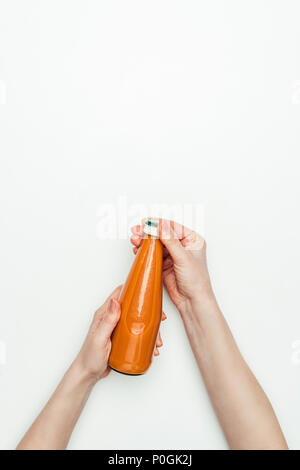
(53, 427)
(243, 410)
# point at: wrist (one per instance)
(199, 305)
(80, 375)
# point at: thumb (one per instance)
(111, 318)
(171, 242)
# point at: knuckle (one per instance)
(110, 319)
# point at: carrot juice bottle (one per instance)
(135, 335)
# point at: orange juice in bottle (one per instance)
(135, 335)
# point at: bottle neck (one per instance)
(151, 237)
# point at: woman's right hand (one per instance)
(185, 270)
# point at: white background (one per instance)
(158, 101)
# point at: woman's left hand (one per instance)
(92, 359)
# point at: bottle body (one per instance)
(135, 335)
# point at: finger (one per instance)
(114, 295)
(181, 231)
(193, 241)
(137, 230)
(159, 342)
(138, 235)
(136, 240)
(171, 242)
(110, 318)
(164, 316)
(188, 237)
(101, 310)
(156, 352)
(170, 239)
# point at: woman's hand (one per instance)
(93, 357)
(53, 427)
(185, 271)
(244, 412)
